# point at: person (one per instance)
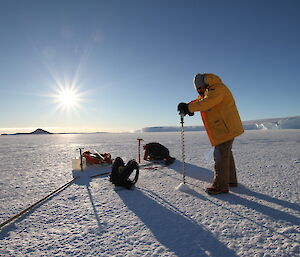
(156, 151)
(222, 124)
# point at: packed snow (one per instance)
(261, 217)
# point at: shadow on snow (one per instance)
(82, 181)
(171, 227)
(206, 175)
(11, 226)
(85, 181)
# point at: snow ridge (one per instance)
(264, 124)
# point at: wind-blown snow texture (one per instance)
(261, 217)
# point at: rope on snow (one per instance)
(38, 202)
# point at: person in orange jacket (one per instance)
(222, 123)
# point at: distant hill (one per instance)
(38, 131)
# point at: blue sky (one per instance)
(131, 62)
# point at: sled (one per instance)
(93, 158)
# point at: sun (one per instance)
(67, 97)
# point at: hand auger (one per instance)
(182, 145)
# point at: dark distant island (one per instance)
(38, 131)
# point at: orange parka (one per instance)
(218, 111)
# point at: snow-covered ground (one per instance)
(261, 217)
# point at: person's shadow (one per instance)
(171, 227)
(241, 189)
(206, 175)
(193, 171)
(264, 209)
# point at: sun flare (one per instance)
(67, 97)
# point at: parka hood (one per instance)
(212, 79)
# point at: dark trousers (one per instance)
(225, 171)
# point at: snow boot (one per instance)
(216, 191)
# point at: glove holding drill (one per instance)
(183, 109)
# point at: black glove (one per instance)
(183, 108)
